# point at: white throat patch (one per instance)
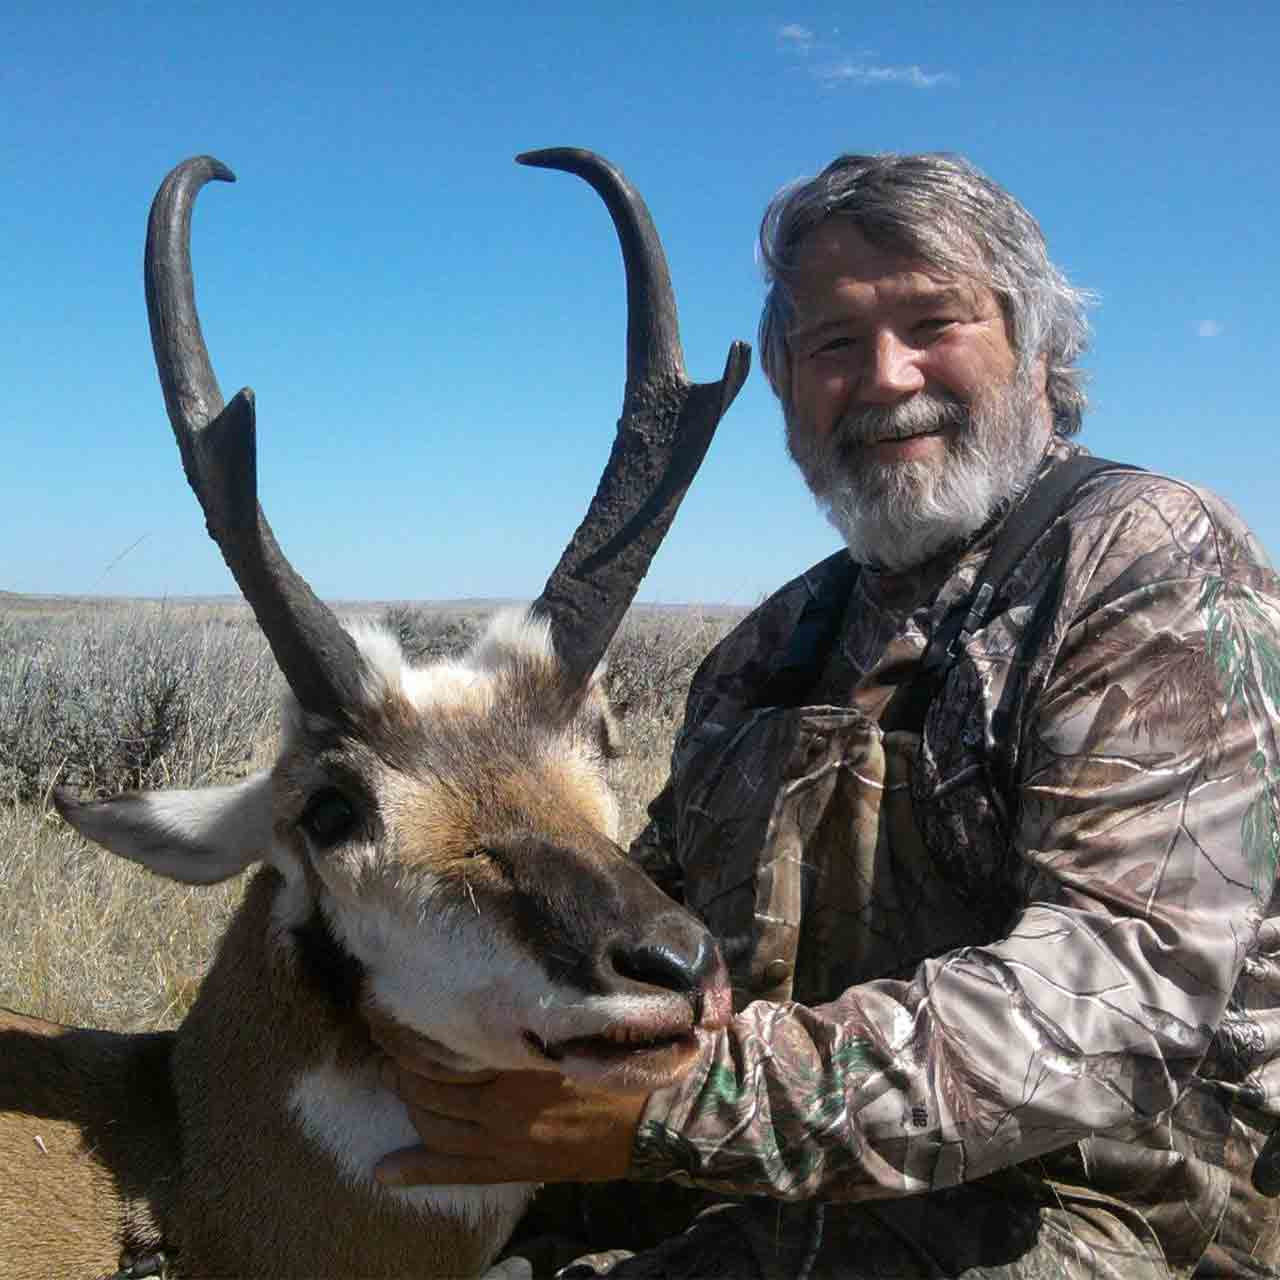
(353, 1119)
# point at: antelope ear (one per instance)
(197, 837)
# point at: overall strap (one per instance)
(1042, 504)
(815, 633)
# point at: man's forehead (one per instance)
(837, 235)
(837, 266)
(838, 249)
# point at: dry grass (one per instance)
(107, 697)
(93, 940)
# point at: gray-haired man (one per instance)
(1002, 863)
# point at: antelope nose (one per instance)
(688, 970)
(656, 966)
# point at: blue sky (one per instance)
(435, 334)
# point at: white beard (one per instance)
(898, 514)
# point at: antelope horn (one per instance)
(666, 427)
(219, 454)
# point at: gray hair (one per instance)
(940, 209)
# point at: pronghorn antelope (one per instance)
(438, 861)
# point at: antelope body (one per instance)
(438, 869)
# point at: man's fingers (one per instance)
(521, 1127)
(396, 1069)
(448, 1135)
(413, 1165)
(462, 1100)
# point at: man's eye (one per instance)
(328, 818)
(835, 347)
(931, 326)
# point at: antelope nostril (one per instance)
(656, 966)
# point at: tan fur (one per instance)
(87, 1145)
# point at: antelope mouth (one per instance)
(607, 1048)
(646, 1056)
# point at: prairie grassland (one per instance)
(110, 696)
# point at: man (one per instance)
(1011, 1003)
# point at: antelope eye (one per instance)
(329, 817)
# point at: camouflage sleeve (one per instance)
(1147, 844)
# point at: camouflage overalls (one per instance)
(1010, 1003)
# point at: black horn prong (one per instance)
(663, 434)
(219, 454)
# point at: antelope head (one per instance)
(444, 834)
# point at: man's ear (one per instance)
(196, 837)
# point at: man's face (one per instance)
(908, 416)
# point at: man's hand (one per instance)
(515, 1126)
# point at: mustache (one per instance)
(920, 415)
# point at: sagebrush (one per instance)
(109, 700)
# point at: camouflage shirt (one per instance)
(1040, 923)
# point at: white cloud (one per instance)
(1209, 328)
(795, 37)
(848, 71)
(832, 66)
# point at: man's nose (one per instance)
(892, 371)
